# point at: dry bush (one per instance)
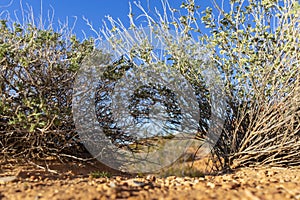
(259, 54)
(37, 69)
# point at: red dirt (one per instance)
(73, 180)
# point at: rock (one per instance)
(151, 178)
(112, 184)
(136, 183)
(211, 185)
(7, 179)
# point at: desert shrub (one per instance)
(255, 46)
(37, 69)
(258, 51)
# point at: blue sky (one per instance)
(94, 10)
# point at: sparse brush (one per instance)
(254, 47)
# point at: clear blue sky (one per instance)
(94, 10)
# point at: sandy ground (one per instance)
(73, 180)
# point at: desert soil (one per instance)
(72, 180)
